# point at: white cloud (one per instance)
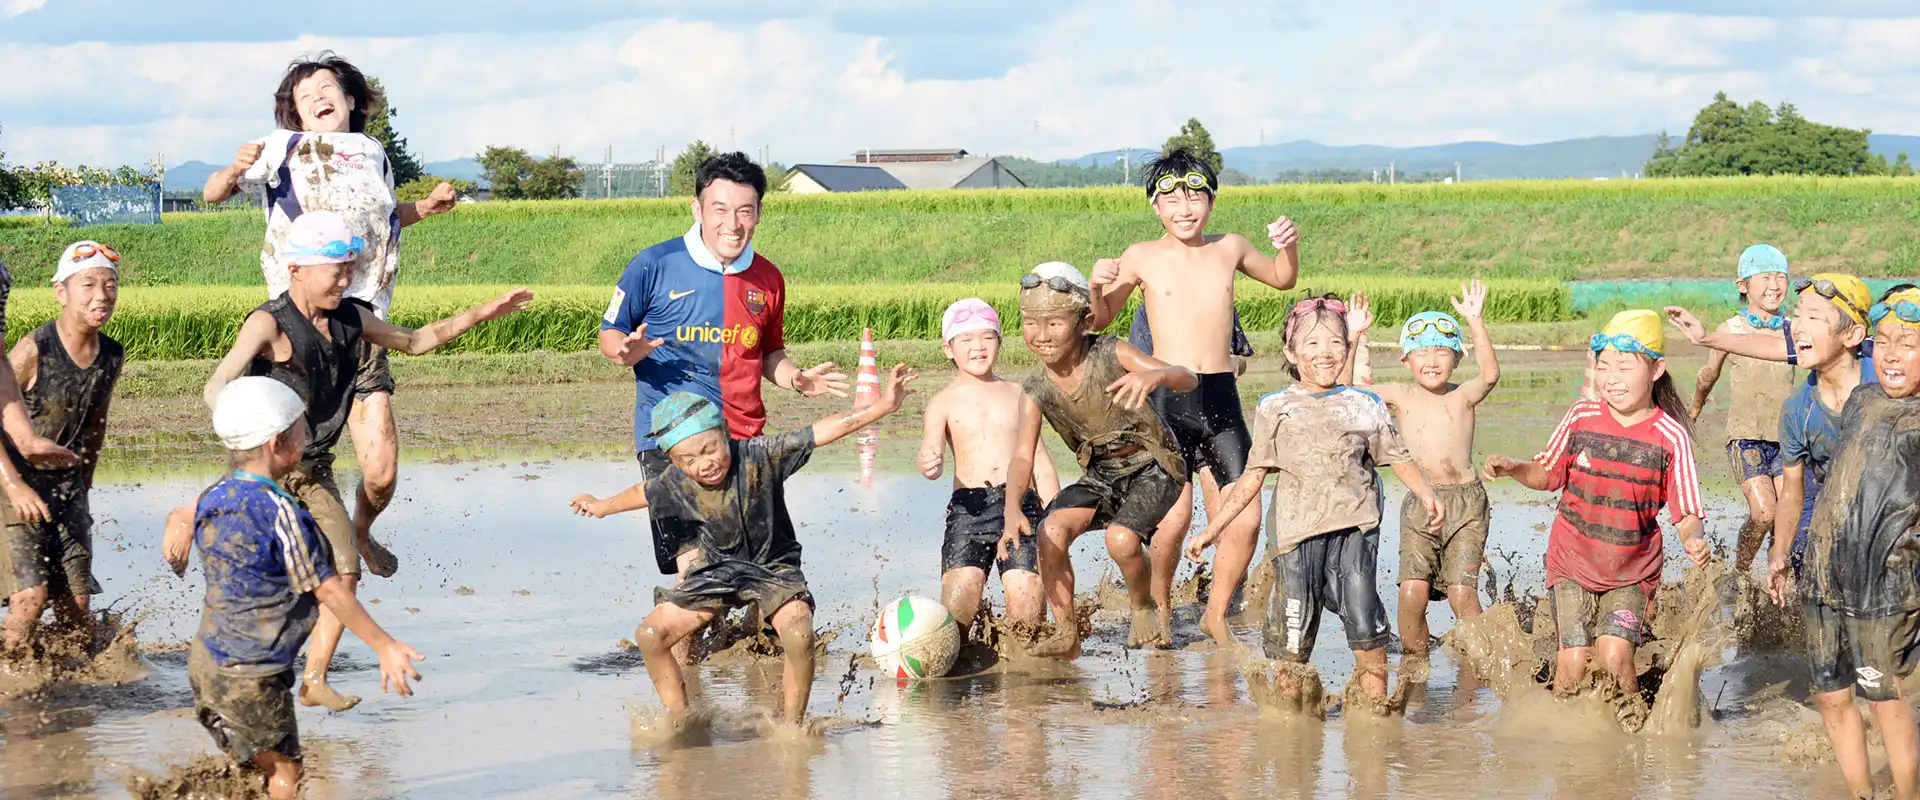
(17, 7)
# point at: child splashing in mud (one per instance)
(268, 573)
(1437, 418)
(1093, 390)
(1862, 550)
(1616, 461)
(67, 370)
(1759, 390)
(732, 494)
(1322, 441)
(978, 416)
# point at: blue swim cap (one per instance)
(681, 416)
(1762, 258)
(1430, 329)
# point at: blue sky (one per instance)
(113, 81)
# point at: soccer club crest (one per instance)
(756, 302)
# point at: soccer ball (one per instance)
(915, 638)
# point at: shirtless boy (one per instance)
(1093, 390)
(1186, 279)
(1437, 418)
(978, 416)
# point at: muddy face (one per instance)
(1318, 349)
(1053, 332)
(1625, 380)
(974, 352)
(321, 286)
(88, 297)
(1896, 357)
(1818, 334)
(1766, 291)
(1432, 366)
(704, 456)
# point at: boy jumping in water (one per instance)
(1759, 389)
(1436, 416)
(67, 370)
(1093, 390)
(732, 494)
(309, 338)
(978, 416)
(268, 573)
(1186, 280)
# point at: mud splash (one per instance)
(1286, 688)
(103, 652)
(204, 778)
(1497, 650)
(1700, 633)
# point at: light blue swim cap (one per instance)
(682, 416)
(1430, 329)
(1762, 258)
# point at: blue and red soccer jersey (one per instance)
(718, 324)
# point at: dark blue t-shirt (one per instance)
(263, 556)
(1810, 436)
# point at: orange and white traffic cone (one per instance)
(867, 390)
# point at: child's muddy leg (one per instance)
(314, 689)
(282, 774)
(23, 613)
(960, 592)
(685, 562)
(1131, 555)
(1231, 559)
(1464, 600)
(1569, 667)
(1056, 573)
(1617, 654)
(667, 626)
(1760, 507)
(1371, 666)
(1895, 720)
(1413, 617)
(376, 445)
(1168, 538)
(1847, 733)
(1026, 599)
(794, 622)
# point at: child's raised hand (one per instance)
(1106, 271)
(177, 542)
(1688, 324)
(1283, 234)
(1472, 299)
(1132, 389)
(1017, 526)
(1197, 546)
(587, 505)
(1359, 315)
(396, 666)
(247, 154)
(508, 303)
(894, 391)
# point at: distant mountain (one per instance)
(189, 177)
(465, 169)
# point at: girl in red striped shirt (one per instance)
(1616, 461)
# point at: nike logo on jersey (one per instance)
(672, 295)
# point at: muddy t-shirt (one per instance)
(1809, 437)
(68, 405)
(346, 173)
(1613, 480)
(263, 556)
(745, 517)
(1105, 437)
(1759, 388)
(1323, 449)
(1862, 554)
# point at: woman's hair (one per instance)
(1307, 314)
(286, 113)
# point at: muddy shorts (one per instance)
(1872, 655)
(734, 583)
(1453, 558)
(57, 554)
(976, 519)
(247, 714)
(312, 484)
(1583, 616)
(669, 541)
(1753, 458)
(1136, 501)
(1207, 425)
(375, 374)
(1332, 571)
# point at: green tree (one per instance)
(504, 168)
(1194, 136)
(415, 190)
(555, 177)
(1728, 139)
(406, 168)
(686, 164)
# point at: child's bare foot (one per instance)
(318, 693)
(380, 560)
(1145, 630)
(1416, 666)
(1064, 644)
(1216, 628)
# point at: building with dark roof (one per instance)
(819, 178)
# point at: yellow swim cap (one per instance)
(1849, 293)
(1633, 331)
(1900, 308)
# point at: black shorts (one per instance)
(1331, 571)
(670, 542)
(733, 583)
(1207, 425)
(1872, 655)
(57, 554)
(246, 714)
(976, 519)
(375, 374)
(1136, 501)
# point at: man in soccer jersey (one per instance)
(704, 313)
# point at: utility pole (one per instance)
(606, 175)
(1390, 173)
(1456, 172)
(1126, 167)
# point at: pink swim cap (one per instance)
(967, 316)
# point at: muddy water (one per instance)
(528, 693)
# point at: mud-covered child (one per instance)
(1863, 548)
(1093, 390)
(731, 495)
(978, 416)
(1616, 462)
(310, 338)
(268, 576)
(1759, 389)
(1323, 443)
(1436, 417)
(67, 370)
(1186, 280)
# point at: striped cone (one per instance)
(867, 390)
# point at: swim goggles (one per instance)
(1417, 326)
(1772, 323)
(1905, 311)
(333, 249)
(1311, 305)
(1622, 342)
(1056, 283)
(1193, 180)
(1826, 289)
(91, 249)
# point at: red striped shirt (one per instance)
(1613, 480)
